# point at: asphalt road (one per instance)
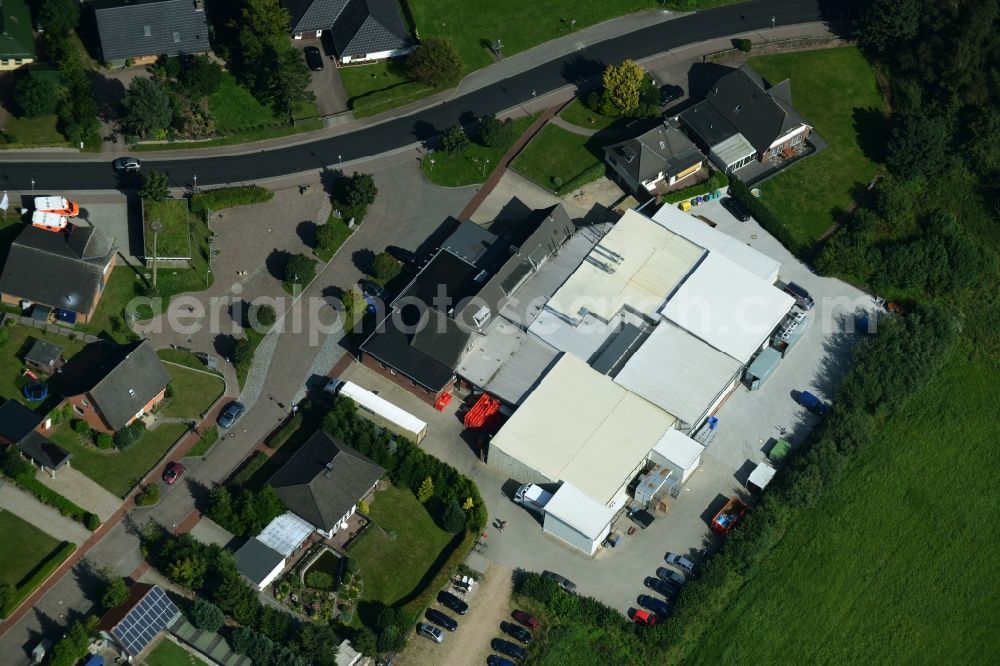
(404, 131)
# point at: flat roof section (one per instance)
(638, 263)
(679, 449)
(580, 511)
(490, 351)
(515, 380)
(580, 427)
(728, 307)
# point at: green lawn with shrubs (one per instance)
(193, 392)
(472, 165)
(560, 161)
(27, 557)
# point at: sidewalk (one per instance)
(44, 517)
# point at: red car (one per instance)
(527, 619)
(174, 471)
(644, 617)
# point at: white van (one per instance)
(532, 497)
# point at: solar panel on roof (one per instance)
(154, 613)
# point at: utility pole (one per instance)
(772, 23)
(196, 182)
(156, 228)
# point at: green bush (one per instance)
(206, 616)
(454, 140)
(320, 580)
(104, 440)
(128, 436)
(714, 182)
(11, 461)
(589, 175)
(744, 45)
(149, 495)
(91, 521)
(385, 266)
(81, 428)
(227, 197)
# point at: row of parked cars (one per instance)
(521, 631)
(667, 582)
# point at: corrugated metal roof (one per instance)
(522, 372)
(580, 511)
(580, 427)
(678, 372)
(713, 240)
(728, 307)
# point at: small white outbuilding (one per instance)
(577, 519)
(678, 453)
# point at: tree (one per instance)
(888, 23)
(290, 81)
(365, 642)
(919, 145)
(426, 490)
(361, 190)
(220, 505)
(129, 435)
(496, 133)
(36, 95)
(155, 186)
(58, 16)
(435, 62)
(454, 140)
(389, 639)
(201, 76)
(147, 107)
(300, 269)
(453, 518)
(188, 571)
(354, 303)
(321, 580)
(262, 314)
(385, 266)
(115, 591)
(206, 616)
(149, 495)
(621, 85)
(318, 644)
(73, 646)
(326, 237)
(243, 353)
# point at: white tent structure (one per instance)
(577, 519)
(678, 453)
(380, 410)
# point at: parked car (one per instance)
(679, 561)
(231, 414)
(174, 471)
(440, 619)
(562, 581)
(508, 648)
(641, 517)
(516, 630)
(670, 575)
(430, 631)
(527, 619)
(801, 296)
(497, 660)
(670, 93)
(646, 618)
(812, 403)
(126, 164)
(369, 288)
(658, 606)
(737, 209)
(668, 590)
(313, 58)
(454, 603)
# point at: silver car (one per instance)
(127, 164)
(679, 561)
(430, 631)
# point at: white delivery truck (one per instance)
(532, 497)
(379, 410)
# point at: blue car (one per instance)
(658, 606)
(812, 403)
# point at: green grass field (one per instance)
(22, 548)
(121, 288)
(897, 565)
(235, 108)
(835, 91)
(471, 167)
(39, 131)
(12, 379)
(380, 86)
(392, 570)
(194, 391)
(119, 471)
(580, 115)
(555, 153)
(168, 653)
(174, 239)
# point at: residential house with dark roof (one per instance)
(127, 383)
(742, 119)
(323, 482)
(360, 30)
(655, 161)
(144, 30)
(17, 43)
(21, 427)
(64, 271)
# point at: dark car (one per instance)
(174, 471)
(669, 590)
(670, 575)
(449, 600)
(369, 288)
(670, 93)
(440, 619)
(126, 164)
(313, 58)
(527, 619)
(231, 414)
(497, 660)
(562, 581)
(737, 209)
(801, 296)
(641, 517)
(658, 606)
(508, 648)
(516, 630)
(812, 403)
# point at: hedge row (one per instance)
(588, 175)
(714, 182)
(227, 197)
(37, 577)
(457, 550)
(46, 495)
(763, 215)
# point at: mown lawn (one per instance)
(22, 548)
(168, 653)
(471, 167)
(174, 239)
(12, 379)
(898, 565)
(380, 86)
(194, 391)
(39, 131)
(555, 157)
(119, 471)
(108, 320)
(391, 569)
(835, 91)
(578, 114)
(235, 108)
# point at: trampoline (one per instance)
(36, 392)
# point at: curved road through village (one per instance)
(404, 131)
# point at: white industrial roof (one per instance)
(491, 350)
(733, 149)
(382, 407)
(678, 372)
(637, 263)
(580, 511)
(679, 449)
(761, 476)
(584, 338)
(285, 533)
(728, 307)
(580, 427)
(713, 240)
